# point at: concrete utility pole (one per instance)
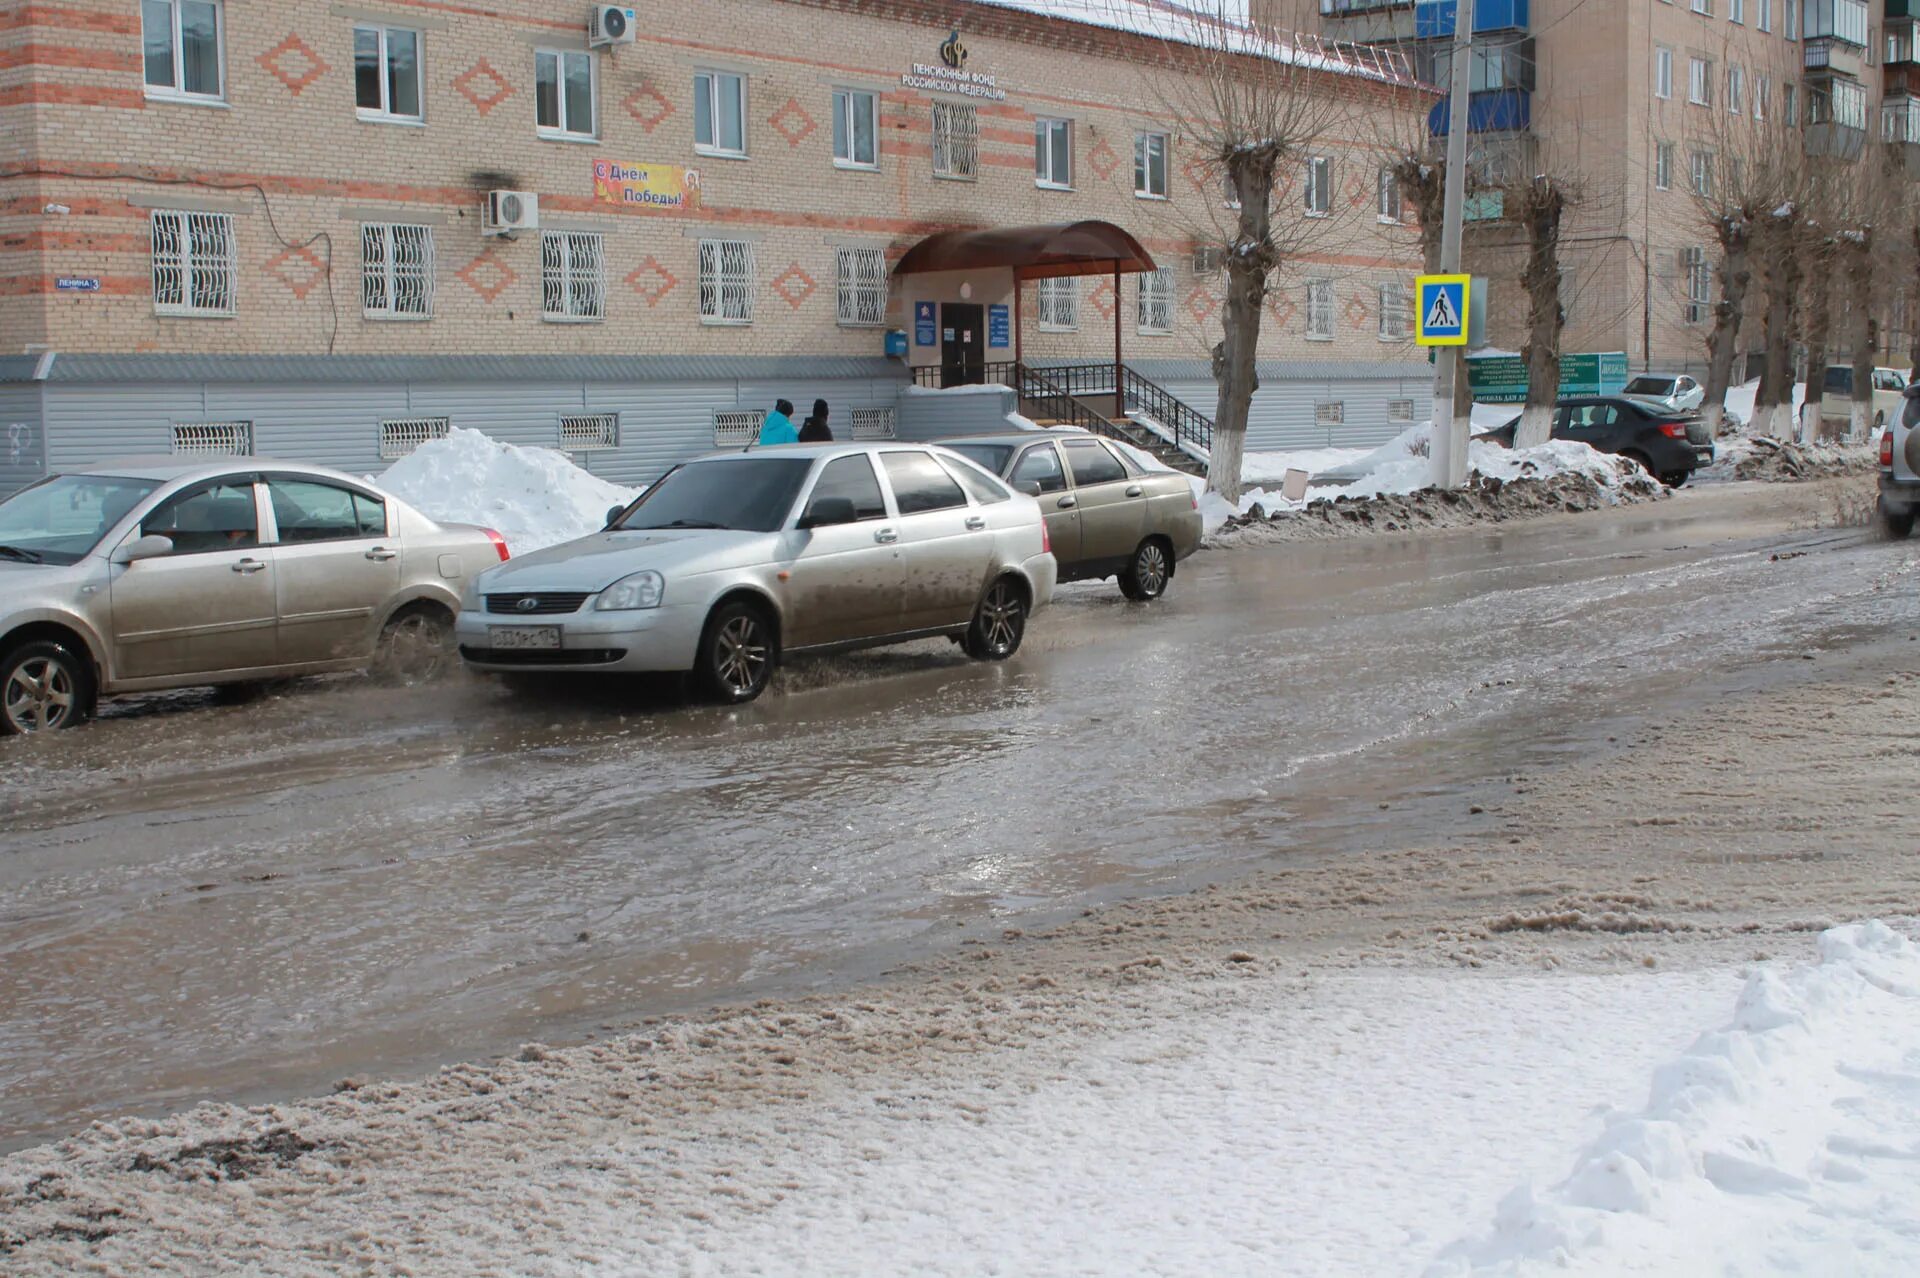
(1450, 434)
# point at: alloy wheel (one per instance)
(1150, 569)
(740, 655)
(40, 695)
(1000, 615)
(416, 648)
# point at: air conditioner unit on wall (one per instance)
(507, 212)
(609, 24)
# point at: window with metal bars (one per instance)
(1399, 410)
(589, 432)
(1396, 316)
(1156, 301)
(1059, 304)
(726, 281)
(402, 435)
(1320, 310)
(573, 276)
(735, 429)
(396, 271)
(956, 140)
(193, 263)
(1330, 412)
(873, 423)
(213, 439)
(863, 287)
(1693, 262)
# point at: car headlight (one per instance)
(641, 590)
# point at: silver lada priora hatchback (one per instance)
(733, 560)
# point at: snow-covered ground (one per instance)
(533, 497)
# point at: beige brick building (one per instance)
(198, 196)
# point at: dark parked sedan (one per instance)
(1671, 445)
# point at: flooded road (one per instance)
(199, 900)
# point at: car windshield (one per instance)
(1655, 386)
(991, 458)
(60, 519)
(747, 494)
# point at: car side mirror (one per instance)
(828, 511)
(1031, 487)
(614, 513)
(151, 546)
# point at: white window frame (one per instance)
(861, 275)
(1153, 305)
(384, 113)
(1145, 145)
(581, 288)
(1700, 173)
(224, 263)
(589, 432)
(1703, 6)
(1699, 82)
(1762, 90)
(1392, 205)
(1663, 74)
(1321, 304)
(721, 278)
(1057, 304)
(734, 428)
(1043, 130)
(212, 439)
(1765, 17)
(1736, 89)
(1330, 412)
(173, 92)
(1395, 321)
(956, 140)
(1699, 282)
(564, 131)
(382, 265)
(400, 436)
(714, 82)
(1663, 166)
(1317, 189)
(871, 423)
(1790, 23)
(1400, 410)
(1737, 11)
(846, 106)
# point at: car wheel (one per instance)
(44, 686)
(1640, 460)
(1147, 574)
(736, 653)
(1676, 478)
(999, 622)
(1896, 526)
(416, 646)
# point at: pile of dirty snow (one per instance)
(534, 497)
(1759, 457)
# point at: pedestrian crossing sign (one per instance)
(1440, 314)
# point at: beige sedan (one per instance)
(140, 575)
(1106, 516)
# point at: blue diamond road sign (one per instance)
(1440, 309)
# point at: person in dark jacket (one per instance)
(815, 430)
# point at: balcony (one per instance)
(1835, 141)
(1434, 19)
(1501, 111)
(1829, 54)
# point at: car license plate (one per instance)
(523, 637)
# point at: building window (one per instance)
(1693, 262)
(573, 276)
(1229, 193)
(563, 93)
(386, 73)
(1790, 105)
(1156, 301)
(396, 271)
(1762, 91)
(213, 439)
(719, 113)
(1396, 317)
(1319, 188)
(589, 433)
(1737, 90)
(956, 140)
(193, 263)
(856, 129)
(1703, 6)
(735, 429)
(1765, 15)
(1790, 19)
(1390, 207)
(1737, 11)
(1663, 166)
(1053, 154)
(1700, 171)
(872, 423)
(1663, 73)
(401, 436)
(726, 282)
(1150, 165)
(1330, 412)
(1320, 310)
(1399, 410)
(1059, 304)
(863, 287)
(181, 41)
(1699, 82)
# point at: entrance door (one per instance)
(963, 344)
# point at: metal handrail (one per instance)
(1188, 424)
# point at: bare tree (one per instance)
(1540, 207)
(1779, 241)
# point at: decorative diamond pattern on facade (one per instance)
(1281, 308)
(1358, 191)
(794, 286)
(1203, 175)
(648, 105)
(299, 268)
(1356, 312)
(1102, 160)
(792, 122)
(481, 85)
(293, 63)
(487, 274)
(1101, 299)
(1201, 306)
(652, 281)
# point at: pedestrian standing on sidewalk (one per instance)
(778, 426)
(815, 430)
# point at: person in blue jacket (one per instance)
(778, 428)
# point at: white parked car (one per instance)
(1680, 393)
(732, 561)
(1836, 400)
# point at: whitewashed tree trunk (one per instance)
(1536, 425)
(1251, 259)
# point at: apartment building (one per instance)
(1633, 102)
(330, 231)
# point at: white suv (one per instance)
(1900, 468)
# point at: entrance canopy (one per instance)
(1031, 252)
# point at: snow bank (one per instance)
(534, 497)
(1785, 1142)
(1741, 399)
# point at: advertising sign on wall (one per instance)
(646, 186)
(1502, 379)
(999, 326)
